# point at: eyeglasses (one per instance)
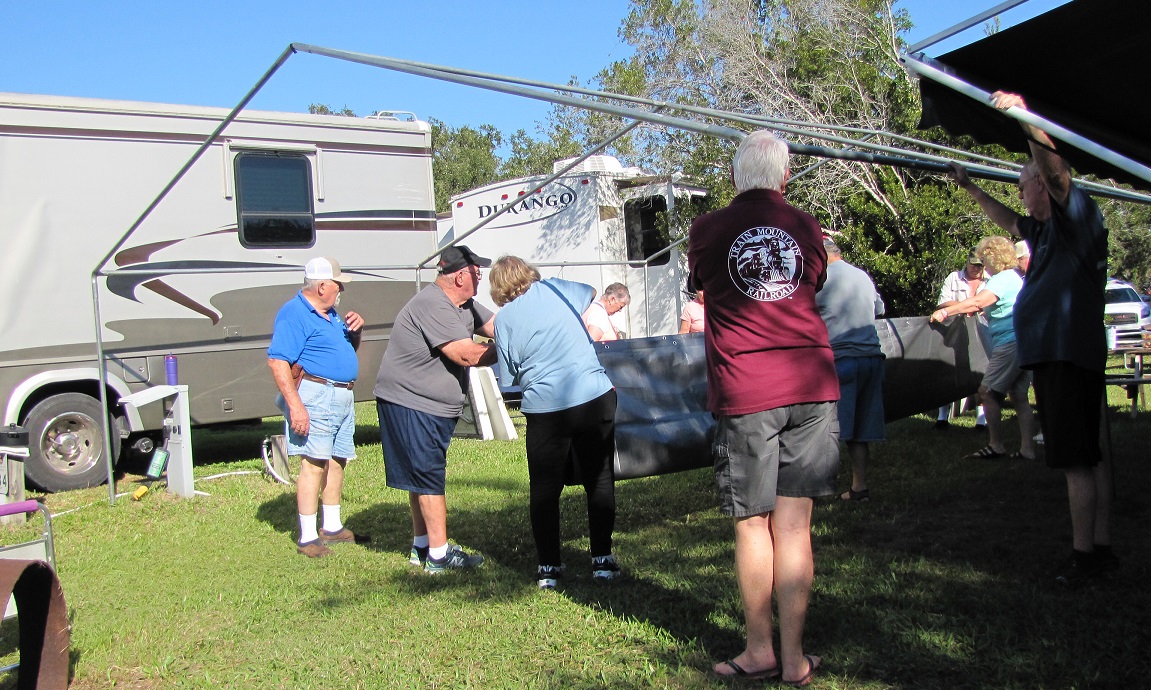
(1023, 182)
(341, 285)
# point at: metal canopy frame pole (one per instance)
(536, 91)
(755, 120)
(97, 272)
(964, 25)
(923, 68)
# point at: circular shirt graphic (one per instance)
(765, 264)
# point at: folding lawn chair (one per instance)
(29, 584)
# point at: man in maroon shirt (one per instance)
(772, 386)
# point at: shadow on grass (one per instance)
(942, 580)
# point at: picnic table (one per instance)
(1132, 378)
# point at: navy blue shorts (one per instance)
(415, 448)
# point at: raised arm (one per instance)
(999, 214)
(1051, 166)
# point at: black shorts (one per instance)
(1070, 402)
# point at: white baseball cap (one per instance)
(323, 268)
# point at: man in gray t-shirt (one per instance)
(420, 393)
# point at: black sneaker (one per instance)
(942, 425)
(604, 568)
(549, 576)
(418, 555)
(1106, 562)
(1075, 572)
(456, 559)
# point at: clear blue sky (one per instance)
(211, 52)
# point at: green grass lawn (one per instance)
(943, 580)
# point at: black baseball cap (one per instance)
(454, 258)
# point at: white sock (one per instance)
(980, 418)
(421, 541)
(332, 518)
(438, 552)
(308, 528)
(944, 413)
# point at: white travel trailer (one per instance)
(273, 191)
(596, 224)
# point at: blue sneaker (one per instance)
(456, 559)
(418, 555)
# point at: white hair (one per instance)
(760, 162)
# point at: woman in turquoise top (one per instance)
(996, 298)
(569, 403)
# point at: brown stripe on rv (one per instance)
(164, 290)
(25, 130)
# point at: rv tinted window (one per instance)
(274, 200)
(645, 221)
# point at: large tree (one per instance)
(827, 62)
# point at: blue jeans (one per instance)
(331, 426)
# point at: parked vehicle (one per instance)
(586, 226)
(1126, 313)
(274, 191)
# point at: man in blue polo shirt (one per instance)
(313, 361)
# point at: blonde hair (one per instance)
(510, 277)
(997, 253)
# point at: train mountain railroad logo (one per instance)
(765, 263)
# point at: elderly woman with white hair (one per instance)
(996, 299)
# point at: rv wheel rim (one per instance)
(72, 443)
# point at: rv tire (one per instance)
(66, 443)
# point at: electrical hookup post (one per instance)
(175, 453)
(13, 450)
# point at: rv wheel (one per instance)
(66, 443)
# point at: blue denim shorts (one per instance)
(331, 426)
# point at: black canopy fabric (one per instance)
(662, 424)
(1081, 65)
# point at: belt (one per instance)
(328, 382)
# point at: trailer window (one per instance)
(274, 200)
(645, 221)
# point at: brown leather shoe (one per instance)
(344, 536)
(313, 549)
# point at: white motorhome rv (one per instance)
(587, 226)
(275, 190)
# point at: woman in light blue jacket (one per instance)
(569, 403)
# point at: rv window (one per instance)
(274, 200)
(645, 221)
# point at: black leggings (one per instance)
(587, 433)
